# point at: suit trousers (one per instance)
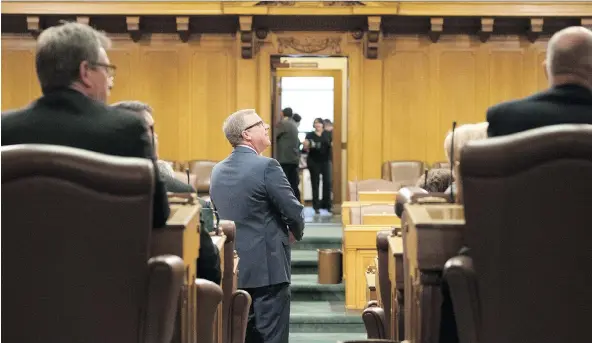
(269, 315)
(291, 171)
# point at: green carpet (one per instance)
(318, 312)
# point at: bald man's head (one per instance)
(569, 57)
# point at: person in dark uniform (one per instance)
(318, 145)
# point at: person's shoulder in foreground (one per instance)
(568, 66)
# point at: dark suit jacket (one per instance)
(253, 191)
(208, 263)
(67, 117)
(567, 104)
(287, 142)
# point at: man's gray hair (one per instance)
(61, 49)
(569, 52)
(133, 106)
(235, 124)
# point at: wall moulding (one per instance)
(406, 8)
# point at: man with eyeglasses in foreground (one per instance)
(76, 76)
(253, 191)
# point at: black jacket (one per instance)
(566, 104)
(69, 118)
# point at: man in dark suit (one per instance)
(208, 263)
(287, 149)
(253, 191)
(75, 76)
(568, 67)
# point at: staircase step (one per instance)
(305, 287)
(324, 316)
(320, 236)
(321, 337)
(305, 262)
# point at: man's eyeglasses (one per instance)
(110, 68)
(259, 123)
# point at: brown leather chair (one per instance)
(527, 200)
(202, 169)
(208, 296)
(375, 321)
(370, 185)
(182, 176)
(78, 225)
(232, 326)
(240, 304)
(403, 173)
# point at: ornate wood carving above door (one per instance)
(309, 45)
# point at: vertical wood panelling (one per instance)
(19, 79)
(399, 106)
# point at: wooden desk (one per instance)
(377, 196)
(381, 219)
(359, 247)
(431, 235)
(219, 322)
(347, 206)
(397, 281)
(181, 238)
(370, 277)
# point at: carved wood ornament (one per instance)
(436, 28)
(183, 28)
(372, 38)
(133, 28)
(486, 29)
(246, 36)
(33, 26)
(535, 30)
(309, 45)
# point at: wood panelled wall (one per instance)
(400, 106)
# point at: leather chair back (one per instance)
(383, 277)
(403, 173)
(228, 286)
(78, 225)
(527, 198)
(202, 169)
(370, 185)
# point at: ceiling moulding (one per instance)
(525, 8)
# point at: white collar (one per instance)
(246, 146)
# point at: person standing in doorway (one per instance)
(318, 145)
(288, 149)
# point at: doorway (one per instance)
(313, 93)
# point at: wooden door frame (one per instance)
(337, 75)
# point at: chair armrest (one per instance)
(374, 321)
(207, 297)
(404, 196)
(229, 229)
(462, 281)
(240, 304)
(165, 278)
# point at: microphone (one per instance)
(452, 159)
